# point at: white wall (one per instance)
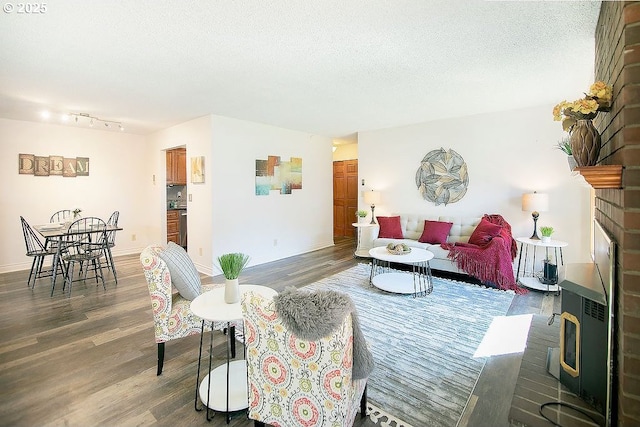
(119, 179)
(128, 173)
(270, 227)
(507, 154)
(345, 152)
(195, 135)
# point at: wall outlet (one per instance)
(200, 251)
(133, 237)
(190, 198)
(275, 242)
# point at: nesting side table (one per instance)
(527, 275)
(362, 250)
(223, 389)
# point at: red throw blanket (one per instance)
(491, 263)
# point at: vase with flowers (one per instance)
(577, 119)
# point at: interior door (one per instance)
(345, 197)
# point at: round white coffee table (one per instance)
(210, 306)
(417, 282)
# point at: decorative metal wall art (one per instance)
(274, 174)
(442, 177)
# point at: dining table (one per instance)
(57, 232)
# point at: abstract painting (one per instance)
(197, 170)
(275, 174)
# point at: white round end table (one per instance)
(219, 391)
(527, 276)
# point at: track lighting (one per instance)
(77, 117)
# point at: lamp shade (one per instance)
(372, 197)
(535, 202)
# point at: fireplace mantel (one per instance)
(602, 176)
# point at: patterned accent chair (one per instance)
(172, 315)
(293, 382)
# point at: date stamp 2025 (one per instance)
(25, 8)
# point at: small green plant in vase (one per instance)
(565, 147)
(546, 232)
(361, 215)
(231, 265)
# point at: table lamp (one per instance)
(535, 203)
(371, 198)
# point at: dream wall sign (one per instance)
(29, 164)
(442, 177)
(274, 174)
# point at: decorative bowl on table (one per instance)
(398, 249)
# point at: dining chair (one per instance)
(110, 237)
(38, 251)
(83, 244)
(62, 216)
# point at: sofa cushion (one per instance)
(484, 233)
(184, 276)
(390, 227)
(435, 232)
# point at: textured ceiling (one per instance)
(326, 67)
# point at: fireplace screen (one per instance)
(570, 344)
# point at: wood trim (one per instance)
(602, 176)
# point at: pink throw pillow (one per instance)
(390, 227)
(484, 233)
(435, 232)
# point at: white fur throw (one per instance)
(311, 315)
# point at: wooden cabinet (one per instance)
(177, 166)
(173, 227)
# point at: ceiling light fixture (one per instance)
(93, 119)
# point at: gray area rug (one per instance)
(423, 347)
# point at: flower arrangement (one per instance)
(598, 99)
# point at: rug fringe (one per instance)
(384, 419)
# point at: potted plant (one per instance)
(361, 214)
(546, 233)
(565, 147)
(231, 265)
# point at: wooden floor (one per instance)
(90, 359)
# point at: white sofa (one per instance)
(412, 227)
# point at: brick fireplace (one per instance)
(617, 62)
